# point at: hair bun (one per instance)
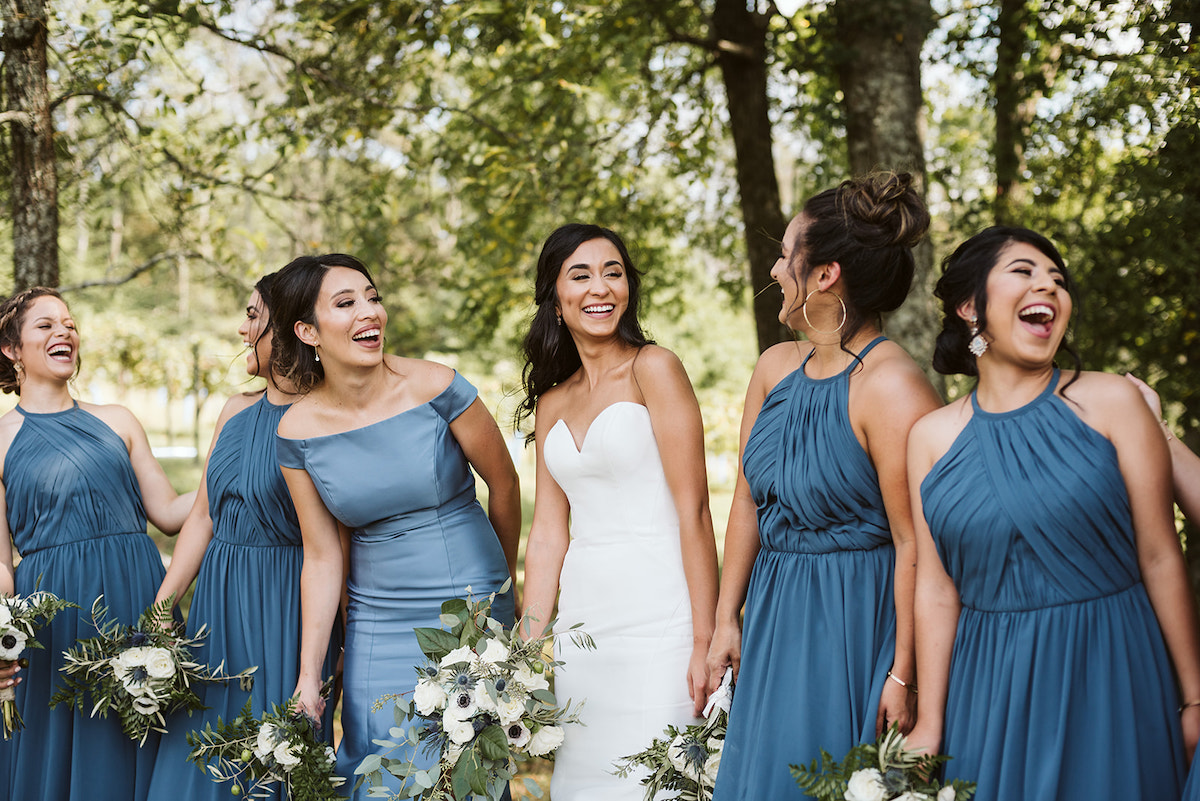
(889, 204)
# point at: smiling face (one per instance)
(592, 289)
(1028, 305)
(49, 345)
(785, 271)
(350, 320)
(256, 336)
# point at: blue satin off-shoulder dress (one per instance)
(247, 593)
(420, 537)
(1061, 688)
(76, 516)
(820, 622)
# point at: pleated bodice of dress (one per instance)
(247, 497)
(67, 479)
(814, 485)
(1028, 509)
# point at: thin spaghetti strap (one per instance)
(870, 345)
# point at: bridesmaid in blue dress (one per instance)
(243, 539)
(378, 454)
(1057, 636)
(79, 481)
(819, 542)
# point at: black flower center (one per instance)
(514, 731)
(463, 700)
(9, 641)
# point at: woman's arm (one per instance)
(321, 583)
(197, 529)
(1185, 465)
(549, 535)
(679, 434)
(886, 406)
(936, 605)
(165, 508)
(1146, 469)
(741, 545)
(482, 443)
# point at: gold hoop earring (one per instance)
(804, 310)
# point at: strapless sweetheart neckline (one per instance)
(580, 445)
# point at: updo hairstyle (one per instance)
(293, 297)
(964, 278)
(869, 226)
(12, 318)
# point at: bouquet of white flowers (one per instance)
(20, 619)
(482, 703)
(686, 760)
(142, 673)
(880, 771)
(256, 753)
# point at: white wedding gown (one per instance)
(623, 579)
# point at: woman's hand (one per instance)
(8, 673)
(308, 699)
(896, 705)
(725, 651)
(698, 678)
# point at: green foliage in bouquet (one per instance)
(685, 761)
(20, 619)
(880, 771)
(256, 754)
(482, 703)
(142, 673)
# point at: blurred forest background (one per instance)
(157, 157)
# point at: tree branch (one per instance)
(22, 118)
(145, 266)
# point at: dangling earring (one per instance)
(19, 369)
(316, 355)
(978, 345)
(558, 318)
(804, 310)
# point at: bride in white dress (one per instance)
(621, 523)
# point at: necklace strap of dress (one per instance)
(27, 413)
(871, 346)
(1048, 390)
(858, 357)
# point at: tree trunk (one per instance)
(35, 184)
(1014, 108)
(742, 57)
(880, 77)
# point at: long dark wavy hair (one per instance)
(12, 317)
(964, 278)
(263, 287)
(868, 225)
(294, 291)
(550, 353)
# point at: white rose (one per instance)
(510, 710)
(268, 738)
(529, 680)
(459, 731)
(866, 785)
(458, 655)
(946, 794)
(517, 734)
(12, 643)
(159, 663)
(494, 652)
(145, 705)
(483, 698)
(429, 697)
(545, 740)
(287, 755)
(911, 796)
(453, 752)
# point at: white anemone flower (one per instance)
(12, 643)
(145, 704)
(517, 734)
(5, 613)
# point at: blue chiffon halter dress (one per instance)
(420, 537)
(247, 593)
(820, 624)
(76, 516)
(1060, 685)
